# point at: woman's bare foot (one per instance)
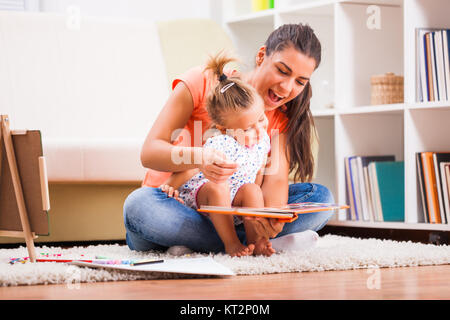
(263, 247)
(239, 250)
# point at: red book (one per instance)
(434, 214)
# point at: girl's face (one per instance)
(246, 126)
(282, 76)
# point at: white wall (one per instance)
(142, 9)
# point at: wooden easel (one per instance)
(7, 142)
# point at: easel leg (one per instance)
(5, 133)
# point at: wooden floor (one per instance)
(430, 282)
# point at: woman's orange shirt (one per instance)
(199, 84)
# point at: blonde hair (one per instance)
(229, 93)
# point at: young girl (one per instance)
(237, 114)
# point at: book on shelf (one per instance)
(389, 189)
(286, 213)
(438, 159)
(433, 64)
(446, 52)
(360, 187)
(433, 186)
(356, 189)
(349, 189)
(439, 58)
(422, 86)
(430, 187)
(433, 73)
(446, 177)
(428, 66)
(423, 204)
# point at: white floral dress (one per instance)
(249, 159)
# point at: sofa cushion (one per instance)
(94, 160)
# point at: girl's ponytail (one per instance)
(228, 93)
(216, 65)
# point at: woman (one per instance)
(284, 65)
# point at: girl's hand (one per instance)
(171, 192)
(266, 227)
(216, 167)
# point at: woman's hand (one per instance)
(215, 166)
(266, 227)
(171, 192)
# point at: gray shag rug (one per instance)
(331, 252)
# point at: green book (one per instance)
(390, 177)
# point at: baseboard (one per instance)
(422, 236)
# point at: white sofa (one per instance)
(94, 91)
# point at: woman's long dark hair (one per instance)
(301, 123)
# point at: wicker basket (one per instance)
(386, 89)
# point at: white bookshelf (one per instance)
(351, 53)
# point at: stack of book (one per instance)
(433, 173)
(375, 188)
(433, 69)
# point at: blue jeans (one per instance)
(154, 221)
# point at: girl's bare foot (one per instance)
(263, 247)
(239, 250)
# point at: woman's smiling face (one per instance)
(282, 76)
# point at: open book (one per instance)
(287, 213)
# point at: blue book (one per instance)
(390, 176)
(353, 188)
(446, 45)
(435, 71)
(426, 68)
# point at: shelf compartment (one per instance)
(362, 52)
(366, 134)
(325, 171)
(371, 134)
(427, 129)
(420, 14)
(431, 129)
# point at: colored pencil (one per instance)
(139, 263)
